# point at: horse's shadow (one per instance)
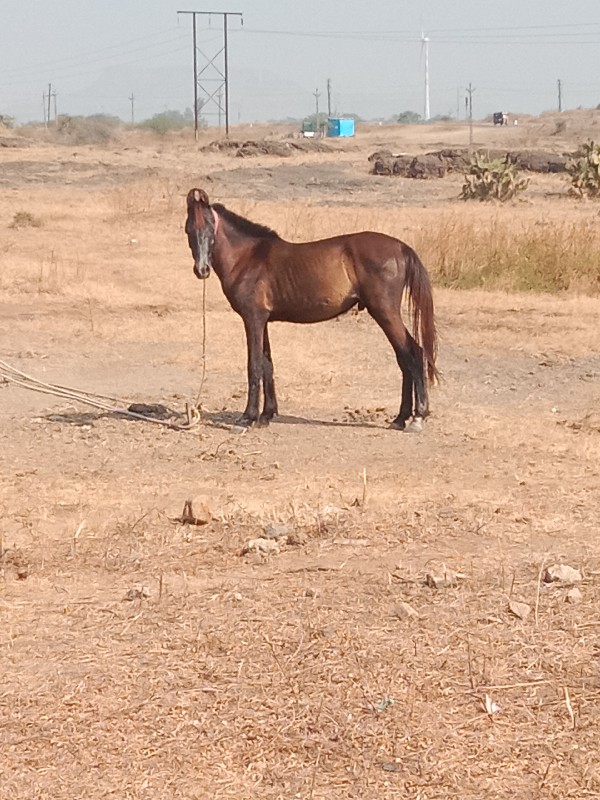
(228, 419)
(232, 418)
(136, 412)
(79, 418)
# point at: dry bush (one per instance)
(95, 129)
(542, 258)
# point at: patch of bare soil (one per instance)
(354, 612)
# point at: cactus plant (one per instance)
(496, 179)
(584, 169)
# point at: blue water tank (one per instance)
(339, 126)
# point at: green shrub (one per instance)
(492, 180)
(171, 120)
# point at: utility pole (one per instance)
(222, 73)
(47, 105)
(131, 100)
(328, 97)
(457, 103)
(425, 42)
(559, 95)
(317, 94)
(469, 101)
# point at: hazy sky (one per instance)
(96, 53)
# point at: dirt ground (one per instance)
(145, 658)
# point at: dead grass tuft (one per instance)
(25, 219)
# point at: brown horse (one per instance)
(267, 279)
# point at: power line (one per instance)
(89, 57)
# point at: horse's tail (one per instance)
(420, 301)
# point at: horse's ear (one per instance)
(197, 196)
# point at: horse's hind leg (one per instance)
(410, 360)
(255, 332)
(406, 402)
(270, 407)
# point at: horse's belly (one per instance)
(311, 308)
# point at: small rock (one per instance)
(261, 546)
(443, 579)
(22, 574)
(276, 531)
(138, 592)
(520, 610)
(310, 592)
(562, 573)
(404, 611)
(238, 597)
(573, 596)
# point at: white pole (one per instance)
(426, 45)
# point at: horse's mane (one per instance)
(243, 225)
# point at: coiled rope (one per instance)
(112, 405)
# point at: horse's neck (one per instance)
(229, 256)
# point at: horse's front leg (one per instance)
(255, 329)
(270, 407)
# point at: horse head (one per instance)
(200, 230)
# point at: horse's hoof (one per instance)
(263, 422)
(246, 422)
(416, 426)
(398, 424)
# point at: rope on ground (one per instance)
(12, 375)
(203, 357)
(112, 405)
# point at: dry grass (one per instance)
(297, 675)
(294, 676)
(540, 257)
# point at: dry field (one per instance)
(144, 658)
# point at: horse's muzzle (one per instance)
(201, 271)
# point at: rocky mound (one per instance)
(441, 162)
(266, 147)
